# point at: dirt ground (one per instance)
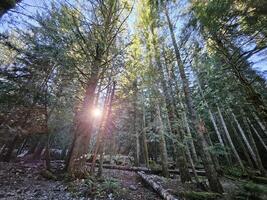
(24, 181)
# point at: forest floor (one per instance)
(19, 180)
(27, 181)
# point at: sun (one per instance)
(96, 112)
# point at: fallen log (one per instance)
(158, 188)
(149, 171)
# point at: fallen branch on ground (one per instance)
(158, 188)
(149, 171)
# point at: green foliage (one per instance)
(235, 172)
(110, 185)
(251, 190)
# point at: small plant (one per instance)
(110, 185)
(235, 172)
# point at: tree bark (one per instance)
(230, 139)
(197, 126)
(245, 139)
(143, 136)
(258, 135)
(241, 144)
(82, 132)
(162, 143)
(260, 123)
(158, 188)
(174, 117)
(254, 146)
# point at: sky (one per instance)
(32, 6)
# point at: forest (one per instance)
(133, 99)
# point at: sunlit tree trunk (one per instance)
(197, 127)
(83, 129)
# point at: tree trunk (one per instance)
(241, 144)
(143, 136)
(190, 142)
(22, 146)
(245, 139)
(258, 135)
(162, 143)
(136, 132)
(158, 188)
(197, 127)
(174, 117)
(47, 153)
(82, 132)
(260, 123)
(253, 144)
(230, 140)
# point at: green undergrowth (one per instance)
(95, 188)
(235, 172)
(252, 191)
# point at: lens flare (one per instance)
(96, 112)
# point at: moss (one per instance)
(201, 195)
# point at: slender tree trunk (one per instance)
(2, 150)
(241, 144)
(258, 135)
(260, 123)
(190, 142)
(162, 143)
(136, 132)
(38, 151)
(101, 160)
(197, 126)
(230, 140)
(245, 139)
(253, 144)
(104, 129)
(22, 146)
(213, 156)
(47, 153)
(144, 140)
